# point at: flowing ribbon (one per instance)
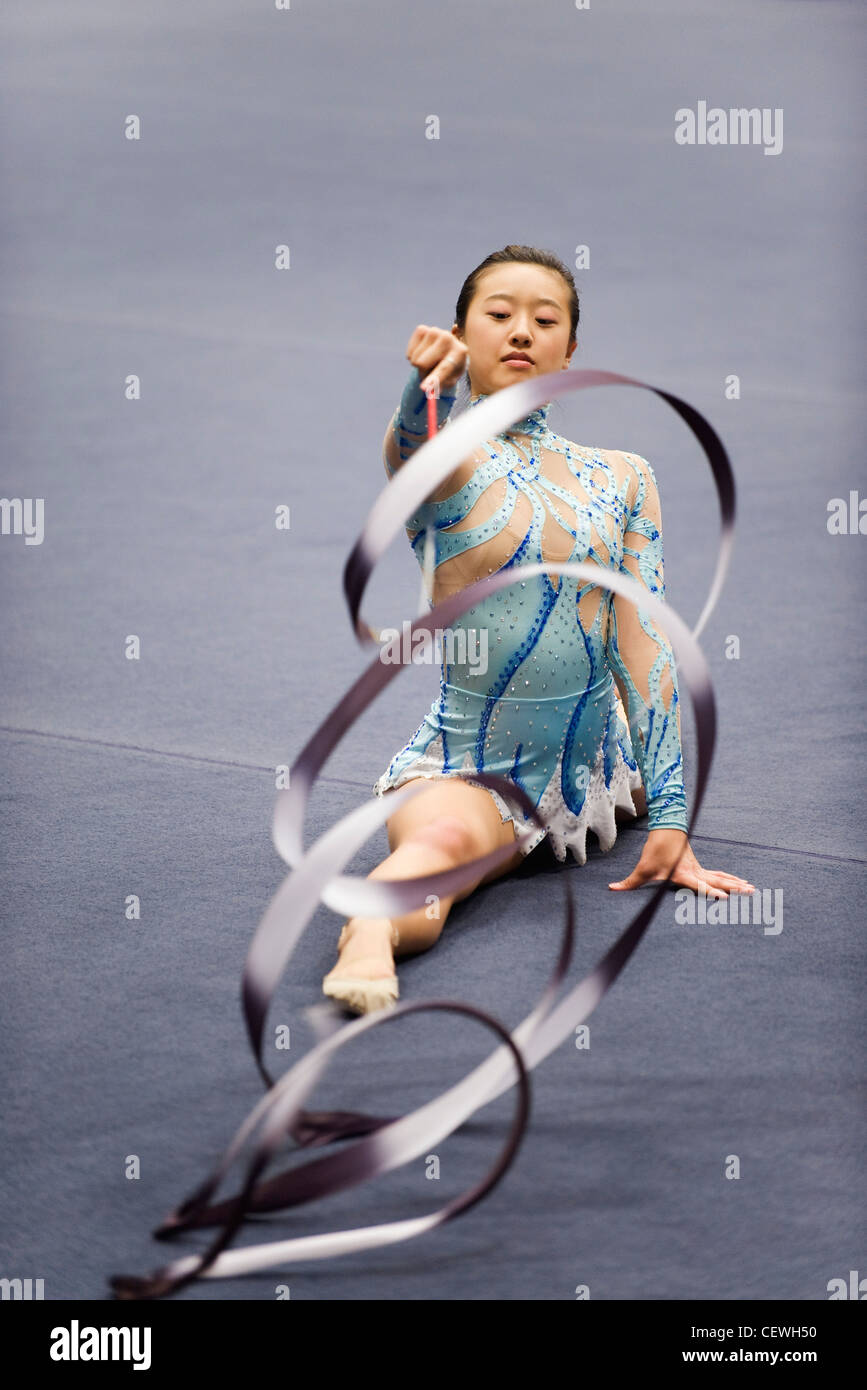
(388, 1142)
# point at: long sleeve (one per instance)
(641, 656)
(408, 427)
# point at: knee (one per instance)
(451, 834)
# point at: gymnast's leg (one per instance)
(639, 801)
(447, 824)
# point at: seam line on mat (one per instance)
(349, 782)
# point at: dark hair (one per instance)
(528, 255)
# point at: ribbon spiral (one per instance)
(391, 1141)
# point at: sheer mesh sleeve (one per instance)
(642, 660)
(408, 427)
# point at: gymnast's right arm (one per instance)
(438, 360)
(407, 428)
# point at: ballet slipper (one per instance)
(360, 995)
(363, 996)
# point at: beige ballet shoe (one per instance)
(360, 995)
(363, 996)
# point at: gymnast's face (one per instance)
(516, 308)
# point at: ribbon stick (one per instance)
(383, 1143)
(432, 413)
(429, 551)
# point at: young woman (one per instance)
(564, 660)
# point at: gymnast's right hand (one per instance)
(438, 353)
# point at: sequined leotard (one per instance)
(532, 695)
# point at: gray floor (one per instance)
(260, 387)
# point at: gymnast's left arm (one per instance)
(642, 662)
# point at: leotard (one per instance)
(532, 694)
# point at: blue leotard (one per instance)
(531, 695)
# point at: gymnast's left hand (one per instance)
(666, 847)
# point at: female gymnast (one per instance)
(552, 663)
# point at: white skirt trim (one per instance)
(565, 830)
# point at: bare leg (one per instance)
(640, 803)
(447, 825)
(638, 797)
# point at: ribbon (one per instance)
(388, 1142)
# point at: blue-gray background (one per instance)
(262, 387)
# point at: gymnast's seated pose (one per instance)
(577, 699)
